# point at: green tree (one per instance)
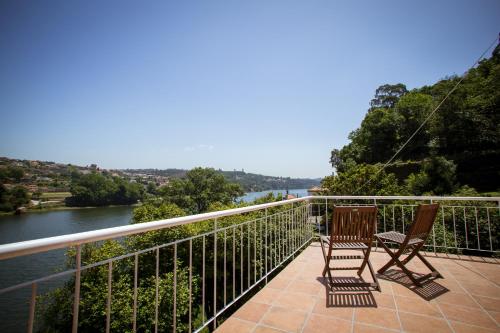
(200, 188)
(387, 95)
(14, 198)
(413, 108)
(362, 179)
(95, 189)
(437, 177)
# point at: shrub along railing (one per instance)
(183, 273)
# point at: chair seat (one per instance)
(345, 245)
(396, 237)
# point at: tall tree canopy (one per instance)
(200, 188)
(463, 133)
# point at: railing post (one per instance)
(294, 244)
(265, 246)
(326, 216)
(31, 318)
(215, 275)
(76, 302)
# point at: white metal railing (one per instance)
(237, 250)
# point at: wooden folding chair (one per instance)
(411, 243)
(352, 228)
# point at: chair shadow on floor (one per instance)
(350, 296)
(429, 290)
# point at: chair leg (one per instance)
(327, 257)
(429, 266)
(374, 276)
(366, 261)
(395, 261)
(392, 261)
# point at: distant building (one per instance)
(315, 190)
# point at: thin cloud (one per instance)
(200, 147)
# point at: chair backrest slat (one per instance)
(353, 224)
(423, 222)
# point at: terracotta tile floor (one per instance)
(297, 299)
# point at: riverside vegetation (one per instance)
(56, 184)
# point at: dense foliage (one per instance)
(459, 145)
(101, 189)
(12, 199)
(200, 188)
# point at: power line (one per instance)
(428, 117)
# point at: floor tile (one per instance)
(467, 315)
(423, 324)
(296, 301)
(267, 295)
(265, 329)
(379, 317)
(252, 311)
(465, 328)
(321, 324)
(416, 305)
(233, 325)
(284, 319)
(338, 312)
(362, 328)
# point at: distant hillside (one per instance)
(46, 176)
(251, 182)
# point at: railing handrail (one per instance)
(401, 197)
(51, 243)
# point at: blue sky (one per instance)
(268, 86)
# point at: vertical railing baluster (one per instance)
(157, 284)
(234, 262)
(477, 229)
(454, 226)
(278, 229)
(385, 229)
(108, 303)
(203, 281)
(215, 275)
(134, 311)
(76, 302)
(261, 269)
(273, 242)
(444, 228)
(326, 216)
(248, 255)
(265, 246)
(31, 317)
(466, 231)
(225, 267)
(393, 218)
(190, 313)
(241, 259)
(292, 223)
(489, 227)
(403, 218)
(255, 251)
(174, 314)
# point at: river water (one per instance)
(15, 228)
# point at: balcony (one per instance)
(297, 299)
(258, 268)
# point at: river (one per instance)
(15, 228)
